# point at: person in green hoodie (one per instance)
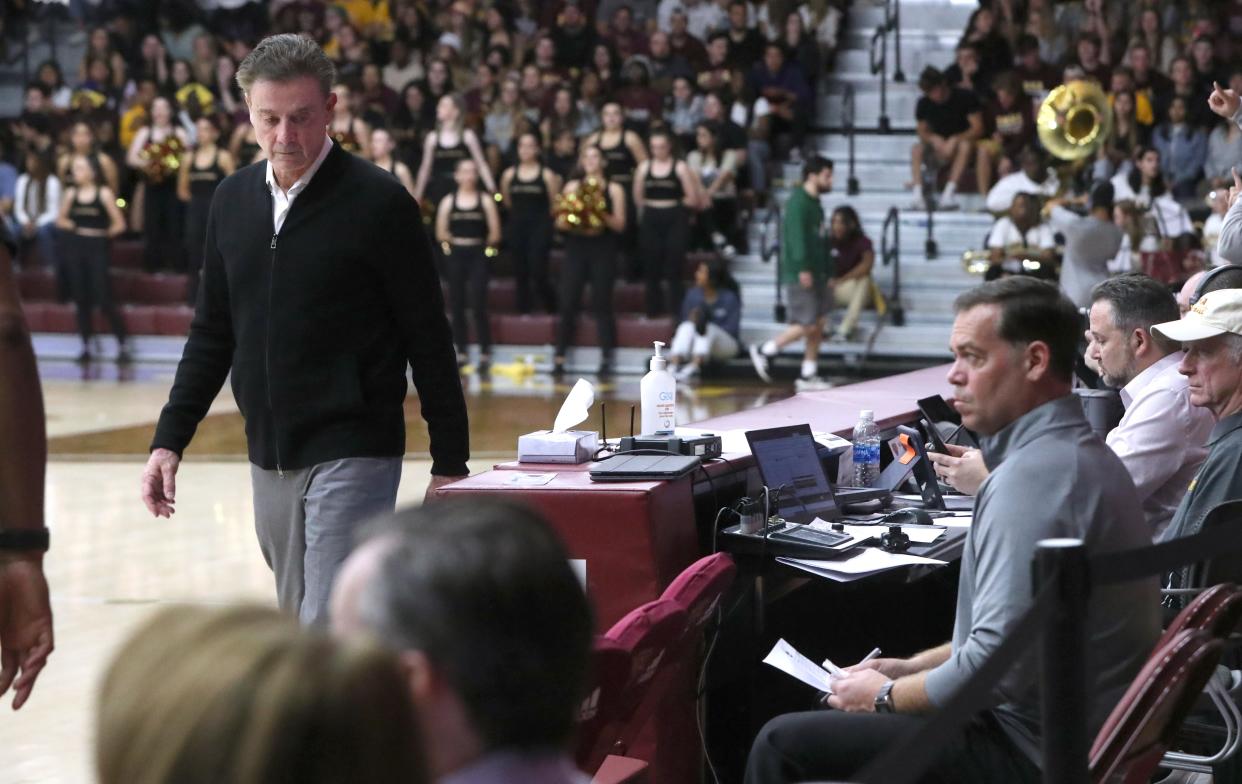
(804, 273)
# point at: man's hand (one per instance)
(1223, 101)
(436, 483)
(962, 468)
(159, 482)
(25, 625)
(856, 691)
(893, 668)
(806, 280)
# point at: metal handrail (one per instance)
(892, 20)
(879, 66)
(890, 253)
(847, 120)
(769, 247)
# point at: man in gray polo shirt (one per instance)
(1091, 242)
(1015, 342)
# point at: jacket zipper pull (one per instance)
(273, 245)
(280, 471)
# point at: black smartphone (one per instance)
(937, 409)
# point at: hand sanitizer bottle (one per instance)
(658, 396)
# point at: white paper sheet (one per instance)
(523, 479)
(868, 561)
(784, 658)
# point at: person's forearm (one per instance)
(910, 694)
(928, 659)
(21, 414)
(1229, 245)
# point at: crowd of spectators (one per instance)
(1157, 62)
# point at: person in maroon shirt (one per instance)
(852, 259)
(626, 39)
(684, 44)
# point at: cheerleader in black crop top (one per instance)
(163, 215)
(623, 151)
(664, 187)
(202, 172)
(593, 257)
(444, 148)
(528, 190)
(89, 217)
(468, 229)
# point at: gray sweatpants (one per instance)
(306, 522)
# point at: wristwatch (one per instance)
(24, 539)
(884, 699)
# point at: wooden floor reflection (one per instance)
(111, 563)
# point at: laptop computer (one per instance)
(788, 460)
(643, 468)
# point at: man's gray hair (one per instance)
(1234, 342)
(283, 58)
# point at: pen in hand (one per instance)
(838, 672)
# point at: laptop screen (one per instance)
(788, 458)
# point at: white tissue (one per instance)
(576, 407)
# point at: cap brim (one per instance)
(1186, 331)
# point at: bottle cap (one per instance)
(866, 413)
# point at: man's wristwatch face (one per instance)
(884, 699)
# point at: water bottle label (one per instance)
(866, 454)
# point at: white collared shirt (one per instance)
(282, 201)
(1161, 439)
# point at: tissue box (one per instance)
(571, 446)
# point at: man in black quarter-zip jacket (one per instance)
(318, 289)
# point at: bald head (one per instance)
(1188, 291)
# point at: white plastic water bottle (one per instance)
(866, 449)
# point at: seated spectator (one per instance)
(505, 121)
(1088, 58)
(1009, 121)
(1183, 150)
(666, 64)
(641, 104)
(745, 42)
(1091, 242)
(682, 42)
(852, 260)
(1144, 185)
(1128, 135)
(1020, 229)
(1123, 82)
(35, 207)
(801, 45)
(785, 98)
(684, 111)
(965, 73)
(625, 37)
(1163, 46)
(244, 695)
(574, 37)
(1015, 342)
(405, 64)
(1207, 68)
(710, 321)
(716, 167)
(994, 52)
(732, 135)
(716, 74)
(1148, 80)
(1034, 177)
(605, 65)
(1183, 85)
(1211, 334)
(1037, 76)
(950, 121)
(479, 601)
(8, 192)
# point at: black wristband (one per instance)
(24, 539)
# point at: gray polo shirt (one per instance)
(1090, 243)
(1051, 477)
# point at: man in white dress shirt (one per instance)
(1162, 438)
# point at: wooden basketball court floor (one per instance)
(112, 564)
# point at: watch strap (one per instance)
(884, 699)
(31, 539)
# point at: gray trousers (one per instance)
(307, 520)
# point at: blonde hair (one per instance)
(243, 695)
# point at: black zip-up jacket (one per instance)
(317, 323)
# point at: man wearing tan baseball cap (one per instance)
(1211, 334)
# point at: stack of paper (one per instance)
(868, 561)
(784, 658)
